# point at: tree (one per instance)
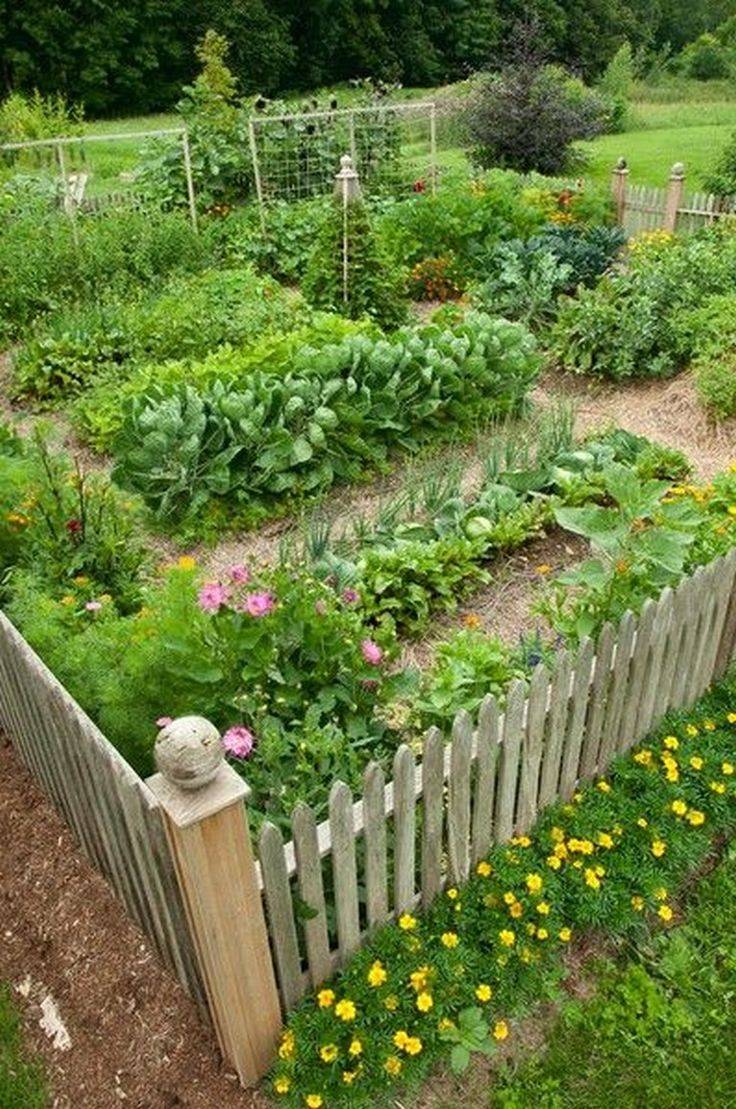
(262, 53)
(527, 116)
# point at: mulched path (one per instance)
(136, 1038)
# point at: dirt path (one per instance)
(135, 1037)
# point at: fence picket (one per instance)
(597, 702)
(617, 691)
(376, 865)
(532, 744)
(725, 648)
(433, 785)
(458, 800)
(485, 780)
(638, 670)
(555, 730)
(690, 600)
(647, 713)
(404, 829)
(508, 774)
(344, 870)
(573, 742)
(280, 914)
(312, 893)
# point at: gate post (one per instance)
(618, 189)
(202, 799)
(673, 203)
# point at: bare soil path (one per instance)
(136, 1039)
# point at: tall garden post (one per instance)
(207, 828)
(187, 156)
(675, 190)
(347, 186)
(618, 188)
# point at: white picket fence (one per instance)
(250, 937)
(651, 208)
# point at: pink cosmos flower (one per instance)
(238, 741)
(164, 721)
(372, 653)
(239, 574)
(350, 596)
(259, 604)
(93, 606)
(213, 596)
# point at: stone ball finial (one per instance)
(346, 163)
(678, 169)
(622, 164)
(189, 752)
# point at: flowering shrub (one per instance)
(434, 279)
(455, 976)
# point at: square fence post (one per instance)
(202, 799)
(618, 189)
(675, 191)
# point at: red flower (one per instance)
(74, 526)
(419, 185)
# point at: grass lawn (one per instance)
(659, 1031)
(22, 1082)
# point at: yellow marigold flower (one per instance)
(400, 1038)
(718, 787)
(186, 562)
(696, 762)
(328, 1053)
(658, 848)
(543, 908)
(81, 579)
(542, 934)
(557, 835)
(67, 600)
(407, 922)
(565, 934)
(600, 870)
(507, 937)
(709, 725)
(531, 929)
(500, 1030)
(544, 568)
(356, 1047)
(637, 903)
(449, 939)
(523, 841)
(483, 992)
(691, 730)
(516, 910)
(560, 850)
(660, 893)
(554, 862)
(282, 1084)
(665, 912)
(603, 786)
(287, 1047)
(727, 768)
(643, 822)
(346, 1010)
(679, 807)
(592, 879)
(445, 1024)
(509, 897)
(605, 840)
(732, 510)
(673, 774)
(377, 974)
(349, 1076)
(484, 870)
(418, 978)
(392, 1002)
(393, 1065)
(534, 883)
(424, 1002)
(472, 620)
(413, 1045)
(452, 893)
(696, 817)
(314, 1101)
(643, 758)
(731, 718)
(325, 998)
(671, 742)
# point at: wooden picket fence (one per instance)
(248, 928)
(650, 208)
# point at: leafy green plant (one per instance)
(468, 666)
(715, 378)
(525, 286)
(350, 272)
(469, 1035)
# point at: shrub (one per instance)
(286, 247)
(721, 179)
(617, 86)
(28, 118)
(528, 115)
(371, 286)
(526, 284)
(706, 59)
(189, 317)
(334, 414)
(628, 325)
(715, 379)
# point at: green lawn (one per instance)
(659, 1031)
(22, 1081)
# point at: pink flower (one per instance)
(213, 596)
(239, 574)
(164, 721)
(93, 606)
(320, 608)
(259, 604)
(372, 653)
(350, 596)
(238, 741)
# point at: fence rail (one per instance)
(650, 208)
(233, 927)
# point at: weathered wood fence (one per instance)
(649, 208)
(229, 917)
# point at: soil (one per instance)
(135, 1038)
